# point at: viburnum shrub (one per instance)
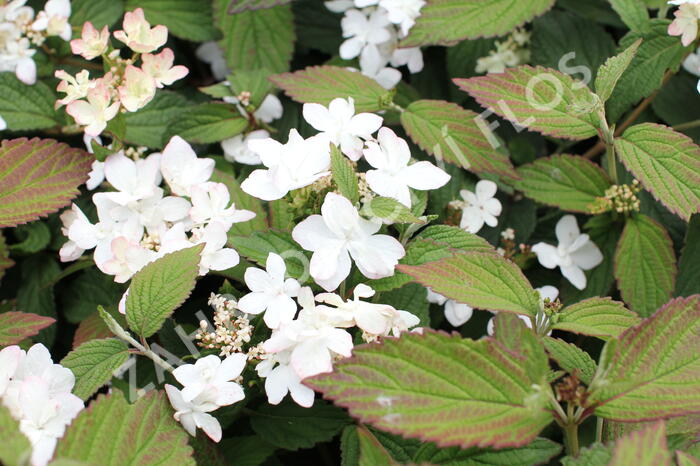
(356, 232)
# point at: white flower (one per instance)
(270, 292)
(3, 124)
(338, 234)
(138, 35)
(54, 19)
(412, 57)
(342, 127)
(362, 31)
(402, 12)
(236, 148)
(574, 254)
(686, 23)
(270, 109)
(127, 258)
(92, 42)
(181, 168)
(215, 256)
(156, 212)
(456, 313)
(280, 379)
(339, 6)
(373, 65)
(194, 414)
(74, 87)
(392, 176)
(138, 88)
(293, 165)
(312, 338)
(160, 68)
(96, 112)
(134, 180)
(10, 357)
(547, 292)
(96, 175)
(211, 378)
(211, 54)
(210, 203)
(481, 207)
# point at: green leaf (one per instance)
(253, 81)
(38, 177)
(291, 426)
(242, 200)
(567, 42)
(90, 289)
(160, 288)
(540, 451)
(595, 455)
(112, 432)
(390, 210)
(34, 237)
(99, 12)
(481, 280)
(652, 370)
(571, 358)
(16, 326)
(689, 264)
(25, 107)
(433, 243)
(5, 261)
(645, 265)
(444, 22)
(566, 181)
(441, 388)
(260, 244)
(256, 39)
(237, 6)
(249, 450)
(35, 296)
(344, 175)
(646, 447)
(666, 162)
(349, 446)
(613, 69)
(598, 317)
(372, 453)
(537, 98)
(207, 123)
(633, 13)
(186, 19)
(94, 363)
(94, 328)
(412, 298)
(678, 102)
(658, 53)
(684, 459)
(147, 126)
(321, 84)
(453, 134)
(15, 449)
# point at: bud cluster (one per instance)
(618, 198)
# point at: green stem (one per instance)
(599, 430)
(571, 431)
(688, 125)
(612, 163)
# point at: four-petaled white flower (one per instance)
(210, 203)
(96, 112)
(402, 12)
(134, 180)
(293, 165)
(194, 414)
(363, 32)
(280, 379)
(340, 233)
(574, 254)
(182, 169)
(92, 42)
(456, 313)
(160, 68)
(138, 34)
(342, 127)
(270, 292)
(392, 175)
(481, 207)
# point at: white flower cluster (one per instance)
(21, 30)
(125, 87)
(512, 52)
(207, 384)
(37, 393)
(306, 342)
(372, 29)
(340, 232)
(138, 223)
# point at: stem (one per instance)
(145, 351)
(599, 430)
(571, 431)
(612, 163)
(688, 125)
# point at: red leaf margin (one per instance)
(16, 326)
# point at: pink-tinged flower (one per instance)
(96, 112)
(137, 90)
(92, 43)
(74, 87)
(160, 68)
(138, 34)
(686, 23)
(128, 257)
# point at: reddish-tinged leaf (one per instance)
(321, 84)
(598, 317)
(536, 97)
(646, 447)
(652, 370)
(666, 162)
(450, 133)
(112, 432)
(442, 388)
(92, 328)
(645, 265)
(684, 459)
(16, 326)
(37, 177)
(482, 280)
